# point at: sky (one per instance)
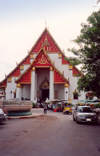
(23, 21)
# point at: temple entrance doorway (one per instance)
(44, 94)
(44, 87)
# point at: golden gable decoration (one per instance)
(44, 84)
(70, 67)
(19, 85)
(21, 67)
(59, 55)
(9, 79)
(32, 56)
(42, 60)
(66, 85)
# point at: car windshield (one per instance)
(67, 106)
(85, 109)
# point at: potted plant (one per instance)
(75, 94)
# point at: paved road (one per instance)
(53, 134)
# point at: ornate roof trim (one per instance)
(32, 64)
(60, 51)
(3, 81)
(41, 36)
(81, 74)
(9, 74)
(42, 50)
(61, 74)
(18, 66)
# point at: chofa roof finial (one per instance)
(45, 23)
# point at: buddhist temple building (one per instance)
(44, 73)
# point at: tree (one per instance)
(73, 61)
(89, 54)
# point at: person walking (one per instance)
(45, 108)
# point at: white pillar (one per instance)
(3, 91)
(66, 91)
(51, 87)
(33, 85)
(19, 91)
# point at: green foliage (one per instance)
(76, 93)
(73, 61)
(97, 105)
(89, 54)
(79, 104)
(76, 75)
(34, 105)
(70, 104)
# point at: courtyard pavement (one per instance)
(37, 112)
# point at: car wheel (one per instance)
(77, 121)
(73, 118)
(0, 122)
(96, 122)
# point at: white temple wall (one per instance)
(41, 74)
(58, 61)
(82, 97)
(25, 68)
(68, 74)
(32, 59)
(58, 64)
(19, 93)
(53, 57)
(35, 55)
(26, 91)
(73, 85)
(65, 68)
(60, 89)
(11, 87)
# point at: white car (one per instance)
(3, 116)
(85, 114)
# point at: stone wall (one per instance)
(16, 105)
